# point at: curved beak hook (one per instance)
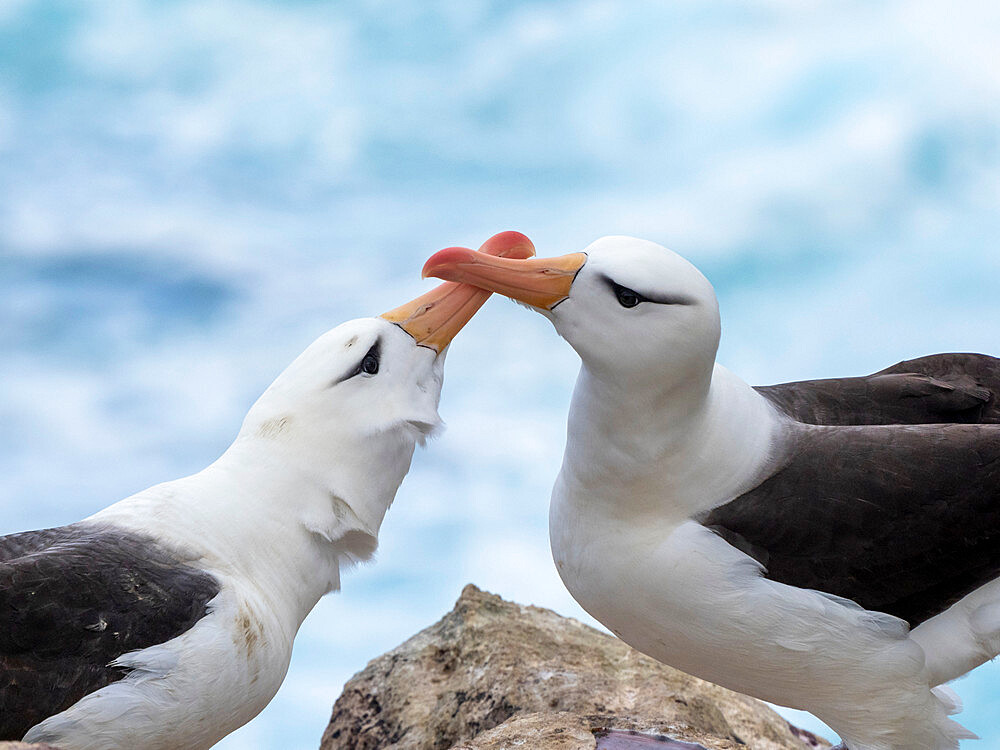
(434, 318)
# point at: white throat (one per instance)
(258, 518)
(637, 456)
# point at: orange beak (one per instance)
(539, 282)
(433, 319)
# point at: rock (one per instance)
(553, 731)
(25, 746)
(493, 674)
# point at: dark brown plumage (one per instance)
(938, 388)
(890, 492)
(73, 599)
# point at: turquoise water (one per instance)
(190, 192)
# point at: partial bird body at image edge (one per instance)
(166, 620)
(827, 545)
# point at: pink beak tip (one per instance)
(503, 243)
(445, 257)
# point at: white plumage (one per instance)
(683, 515)
(302, 491)
(214, 573)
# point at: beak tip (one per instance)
(509, 244)
(442, 258)
(427, 271)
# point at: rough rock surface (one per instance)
(493, 674)
(4, 745)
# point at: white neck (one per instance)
(641, 454)
(254, 515)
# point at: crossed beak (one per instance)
(539, 282)
(433, 319)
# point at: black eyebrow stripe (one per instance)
(373, 349)
(677, 300)
(657, 299)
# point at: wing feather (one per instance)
(73, 599)
(939, 388)
(902, 519)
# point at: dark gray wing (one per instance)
(903, 519)
(939, 388)
(73, 599)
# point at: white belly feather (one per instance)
(687, 598)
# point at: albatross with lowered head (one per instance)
(829, 545)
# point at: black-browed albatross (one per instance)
(166, 620)
(829, 545)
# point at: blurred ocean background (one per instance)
(190, 192)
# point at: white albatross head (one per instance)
(633, 310)
(349, 411)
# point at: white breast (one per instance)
(626, 548)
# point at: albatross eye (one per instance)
(369, 365)
(626, 297)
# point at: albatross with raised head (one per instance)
(166, 620)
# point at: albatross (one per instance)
(166, 620)
(827, 545)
